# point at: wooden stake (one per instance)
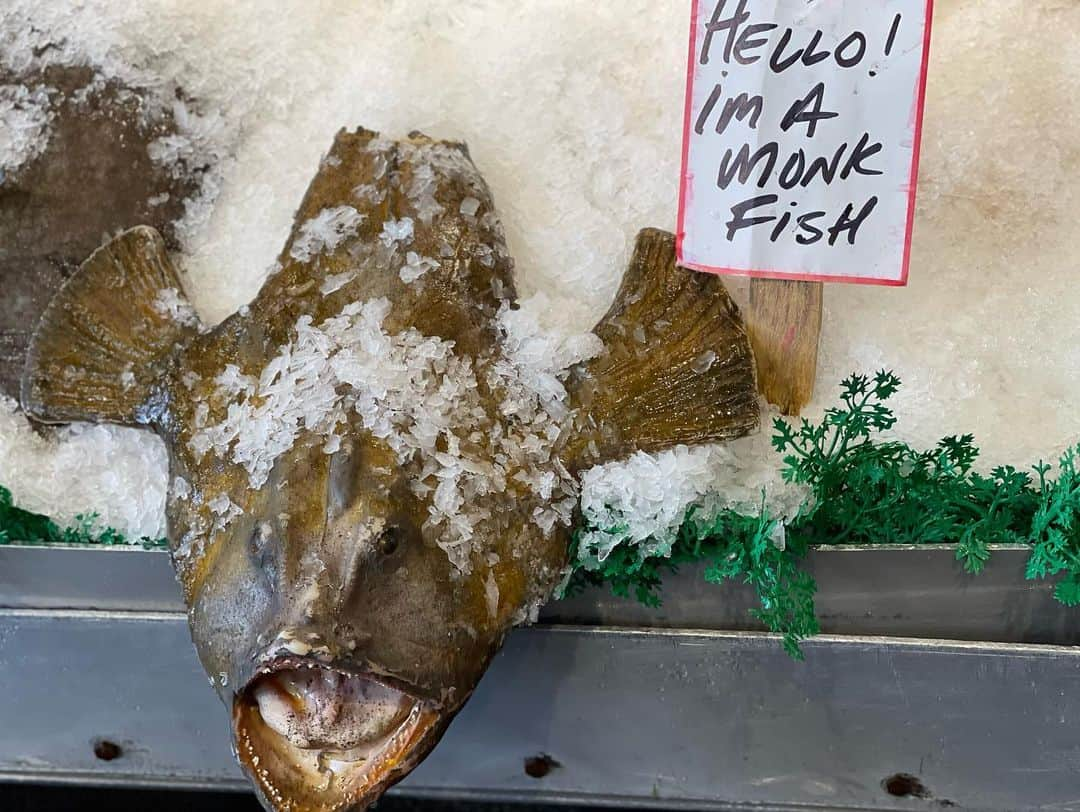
(784, 323)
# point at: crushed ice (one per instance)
(325, 232)
(24, 125)
(171, 304)
(397, 231)
(416, 266)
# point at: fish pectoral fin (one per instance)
(677, 367)
(104, 340)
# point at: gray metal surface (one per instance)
(80, 577)
(898, 592)
(94, 645)
(700, 719)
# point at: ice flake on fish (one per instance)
(336, 282)
(180, 488)
(370, 193)
(325, 231)
(170, 303)
(416, 266)
(397, 231)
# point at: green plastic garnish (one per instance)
(866, 491)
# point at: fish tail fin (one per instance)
(103, 343)
(676, 367)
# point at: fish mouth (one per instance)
(316, 738)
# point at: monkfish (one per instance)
(374, 464)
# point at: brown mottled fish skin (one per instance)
(328, 566)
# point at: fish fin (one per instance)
(676, 368)
(102, 344)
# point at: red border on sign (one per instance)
(684, 176)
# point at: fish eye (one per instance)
(389, 540)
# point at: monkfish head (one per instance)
(342, 638)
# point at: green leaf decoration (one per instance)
(867, 490)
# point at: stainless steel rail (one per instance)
(687, 712)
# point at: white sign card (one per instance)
(801, 142)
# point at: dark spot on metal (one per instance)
(905, 785)
(107, 750)
(539, 766)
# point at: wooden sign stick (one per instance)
(784, 323)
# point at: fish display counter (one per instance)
(970, 679)
(386, 370)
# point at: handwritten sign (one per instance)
(801, 143)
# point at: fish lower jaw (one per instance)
(318, 739)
